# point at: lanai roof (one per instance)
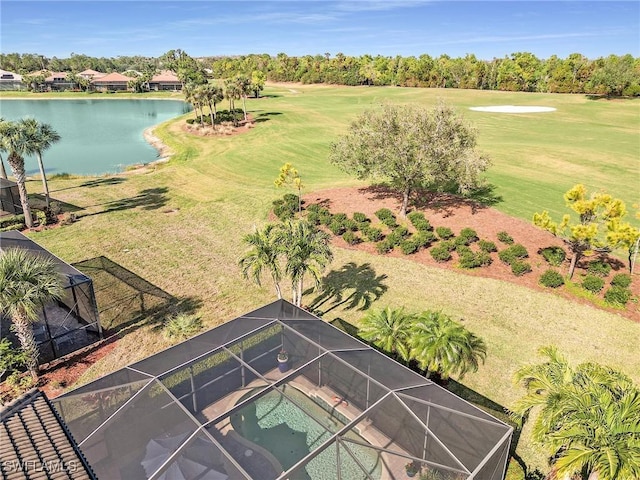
(177, 411)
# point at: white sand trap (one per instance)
(513, 109)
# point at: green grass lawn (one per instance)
(180, 225)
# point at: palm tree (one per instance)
(306, 251)
(389, 329)
(263, 255)
(243, 89)
(27, 282)
(444, 347)
(3, 171)
(587, 416)
(192, 96)
(15, 139)
(212, 95)
(43, 136)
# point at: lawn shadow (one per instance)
(38, 201)
(127, 301)
(148, 199)
(99, 182)
(265, 117)
(352, 286)
(596, 97)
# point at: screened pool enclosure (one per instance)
(279, 394)
(70, 323)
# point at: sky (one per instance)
(352, 27)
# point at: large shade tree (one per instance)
(389, 329)
(27, 282)
(43, 136)
(412, 148)
(16, 139)
(588, 417)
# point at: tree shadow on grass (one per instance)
(352, 286)
(596, 97)
(38, 200)
(265, 117)
(98, 182)
(148, 199)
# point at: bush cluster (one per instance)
(14, 222)
(599, 268)
(621, 280)
(372, 234)
(396, 237)
(409, 246)
(336, 227)
(592, 283)
(425, 239)
(513, 253)
(487, 246)
(419, 221)
(551, 278)
(470, 259)
(350, 237)
(387, 217)
(286, 207)
(469, 234)
(553, 255)
(519, 268)
(384, 246)
(444, 232)
(361, 218)
(617, 295)
(504, 237)
(440, 253)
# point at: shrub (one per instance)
(409, 246)
(12, 221)
(385, 214)
(519, 268)
(360, 217)
(372, 234)
(419, 221)
(351, 225)
(350, 237)
(325, 217)
(617, 295)
(41, 217)
(553, 255)
(450, 245)
(182, 326)
(313, 218)
(513, 253)
(551, 278)
(396, 237)
(487, 246)
(314, 207)
(621, 280)
(504, 237)
(470, 234)
(384, 247)
(68, 218)
(599, 267)
(284, 210)
(336, 227)
(469, 259)
(444, 232)
(340, 218)
(424, 238)
(592, 283)
(440, 253)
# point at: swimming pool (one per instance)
(286, 431)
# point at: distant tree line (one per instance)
(615, 75)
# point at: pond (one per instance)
(98, 136)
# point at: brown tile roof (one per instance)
(165, 76)
(53, 75)
(114, 77)
(35, 443)
(91, 73)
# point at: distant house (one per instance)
(91, 74)
(112, 81)
(165, 80)
(10, 81)
(57, 81)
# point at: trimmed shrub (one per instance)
(425, 239)
(444, 232)
(384, 247)
(599, 268)
(519, 268)
(504, 237)
(450, 245)
(617, 295)
(551, 278)
(385, 214)
(553, 255)
(325, 217)
(592, 283)
(372, 234)
(440, 253)
(351, 225)
(360, 217)
(487, 246)
(314, 207)
(409, 246)
(470, 259)
(340, 217)
(350, 237)
(11, 222)
(398, 235)
(313, 218)
(470, 234)
(284, 210)
(621, 280)
(337, 228)
(513, 253)
(419, 221)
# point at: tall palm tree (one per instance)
(243, 89)
(587, 416)
(43, 136)
(389, 329)
(15, 139)
(306, 250)
(444, 347)
(27, 282)
(263, 255)
(3, 171)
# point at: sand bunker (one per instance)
(513, 109)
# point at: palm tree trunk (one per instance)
(572, 266)
(24, 332)
(45, 185)
(244, 107)
(18, 172)
(299, 294)
(278, 291)
(3, 172)
(211, 115)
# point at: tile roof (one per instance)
(166, 76)
(91, 73)
(35, 443)
(112, 77)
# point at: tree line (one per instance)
(614, 75)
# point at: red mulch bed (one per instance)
(457, 213)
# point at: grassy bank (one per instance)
(180, 225)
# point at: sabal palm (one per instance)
(27, 282)
(389, 329)
(306, 252)
(15, 139)
(445, 347)
(3, 171)
(43, 136)
(243, 89)
(263, 255)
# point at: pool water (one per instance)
(280, 427)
